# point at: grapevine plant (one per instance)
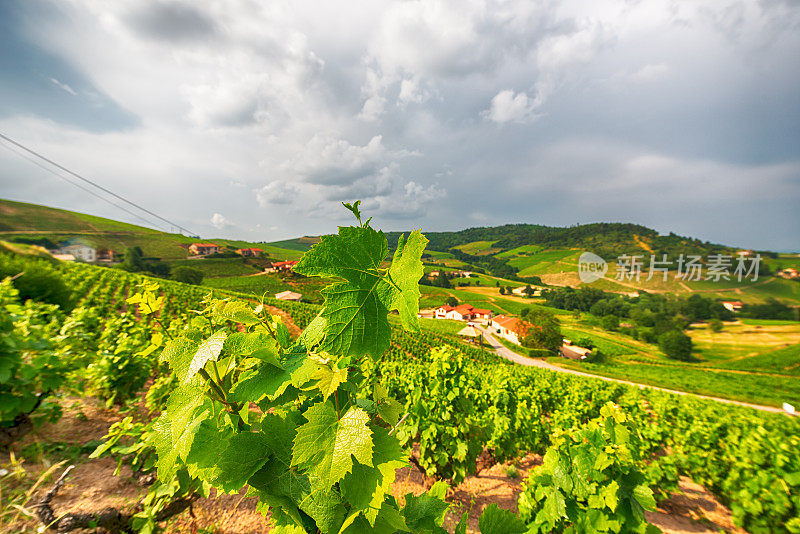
(296, 422)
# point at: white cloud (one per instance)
(650, 73)
(220, 222)
(329, 160)
(277, 192)
(508, 106)
(64, 86)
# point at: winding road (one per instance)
(509, 354)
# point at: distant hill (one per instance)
(31, 223)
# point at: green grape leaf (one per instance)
(406, 271)
(255, 345)
(313, 333)
(495, 520)
(365, 487)
(178, 353)
(424, 513)
(207, 351)
(246, 453)
(356, 322)
(265, 381)
(329, 379)
(326, 444)
(356, 308)
(238, 312)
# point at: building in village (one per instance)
(203, 249)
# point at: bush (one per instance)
(715, 325)
(451, 301)
(36, 280)
(676, 345)
(590, 474)
(187, 275)
(610, 322)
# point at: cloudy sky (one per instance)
(254, 119)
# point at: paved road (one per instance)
(508, 354)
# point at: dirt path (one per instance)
(508, 354)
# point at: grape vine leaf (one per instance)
(365, 487)
(495, 520)
(253, 344)
(246, 453)
(207, 351)
(327, 444)
(356, 307)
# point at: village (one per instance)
(482, 322)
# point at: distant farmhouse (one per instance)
(289, 295)
(573, 352)
(463, 312)
(507, 327)
(733, 305)
(249, 252)
(281, 266)
(203, 249)
(79, 250)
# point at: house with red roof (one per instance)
(733, 305)
(203, 249)
(463, 312)
(286, 266)
(249, 252)
(506, 327)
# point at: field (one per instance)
(21, 220)
(727, 449)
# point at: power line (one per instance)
(79, 186)
(76, 175)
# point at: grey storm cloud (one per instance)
(171, 20)
(684, 116)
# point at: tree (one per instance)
(451, 301)
(528, 291)
(715, 325)
(502, 290)
(676, 345)
(540, 329)
(132, 261)
(187, 275)
(610, 322)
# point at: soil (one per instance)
(92, 485)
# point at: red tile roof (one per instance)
(509, 323)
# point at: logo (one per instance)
(591, 267)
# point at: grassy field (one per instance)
(270, 284)
(21, 220)
(478, 248)
(218, 267)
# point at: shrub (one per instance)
(187, 275)
(676, 345)
(36, 280)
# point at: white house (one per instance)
(463, 312)
(506, 327)
(203, 249)
(288, 295)
(80, 251)
(733, 305)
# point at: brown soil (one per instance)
(93, 486)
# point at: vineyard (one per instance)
(219, 395)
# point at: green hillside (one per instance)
(22, 222)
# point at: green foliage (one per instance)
(590, 481)
(451, 301)
(715, 325)
(542, 330)
(36, 279)
(187, 275)
(30, 367)
(443, 417)
(676, 345)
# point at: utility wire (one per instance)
(79, 186)
(76, 175)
